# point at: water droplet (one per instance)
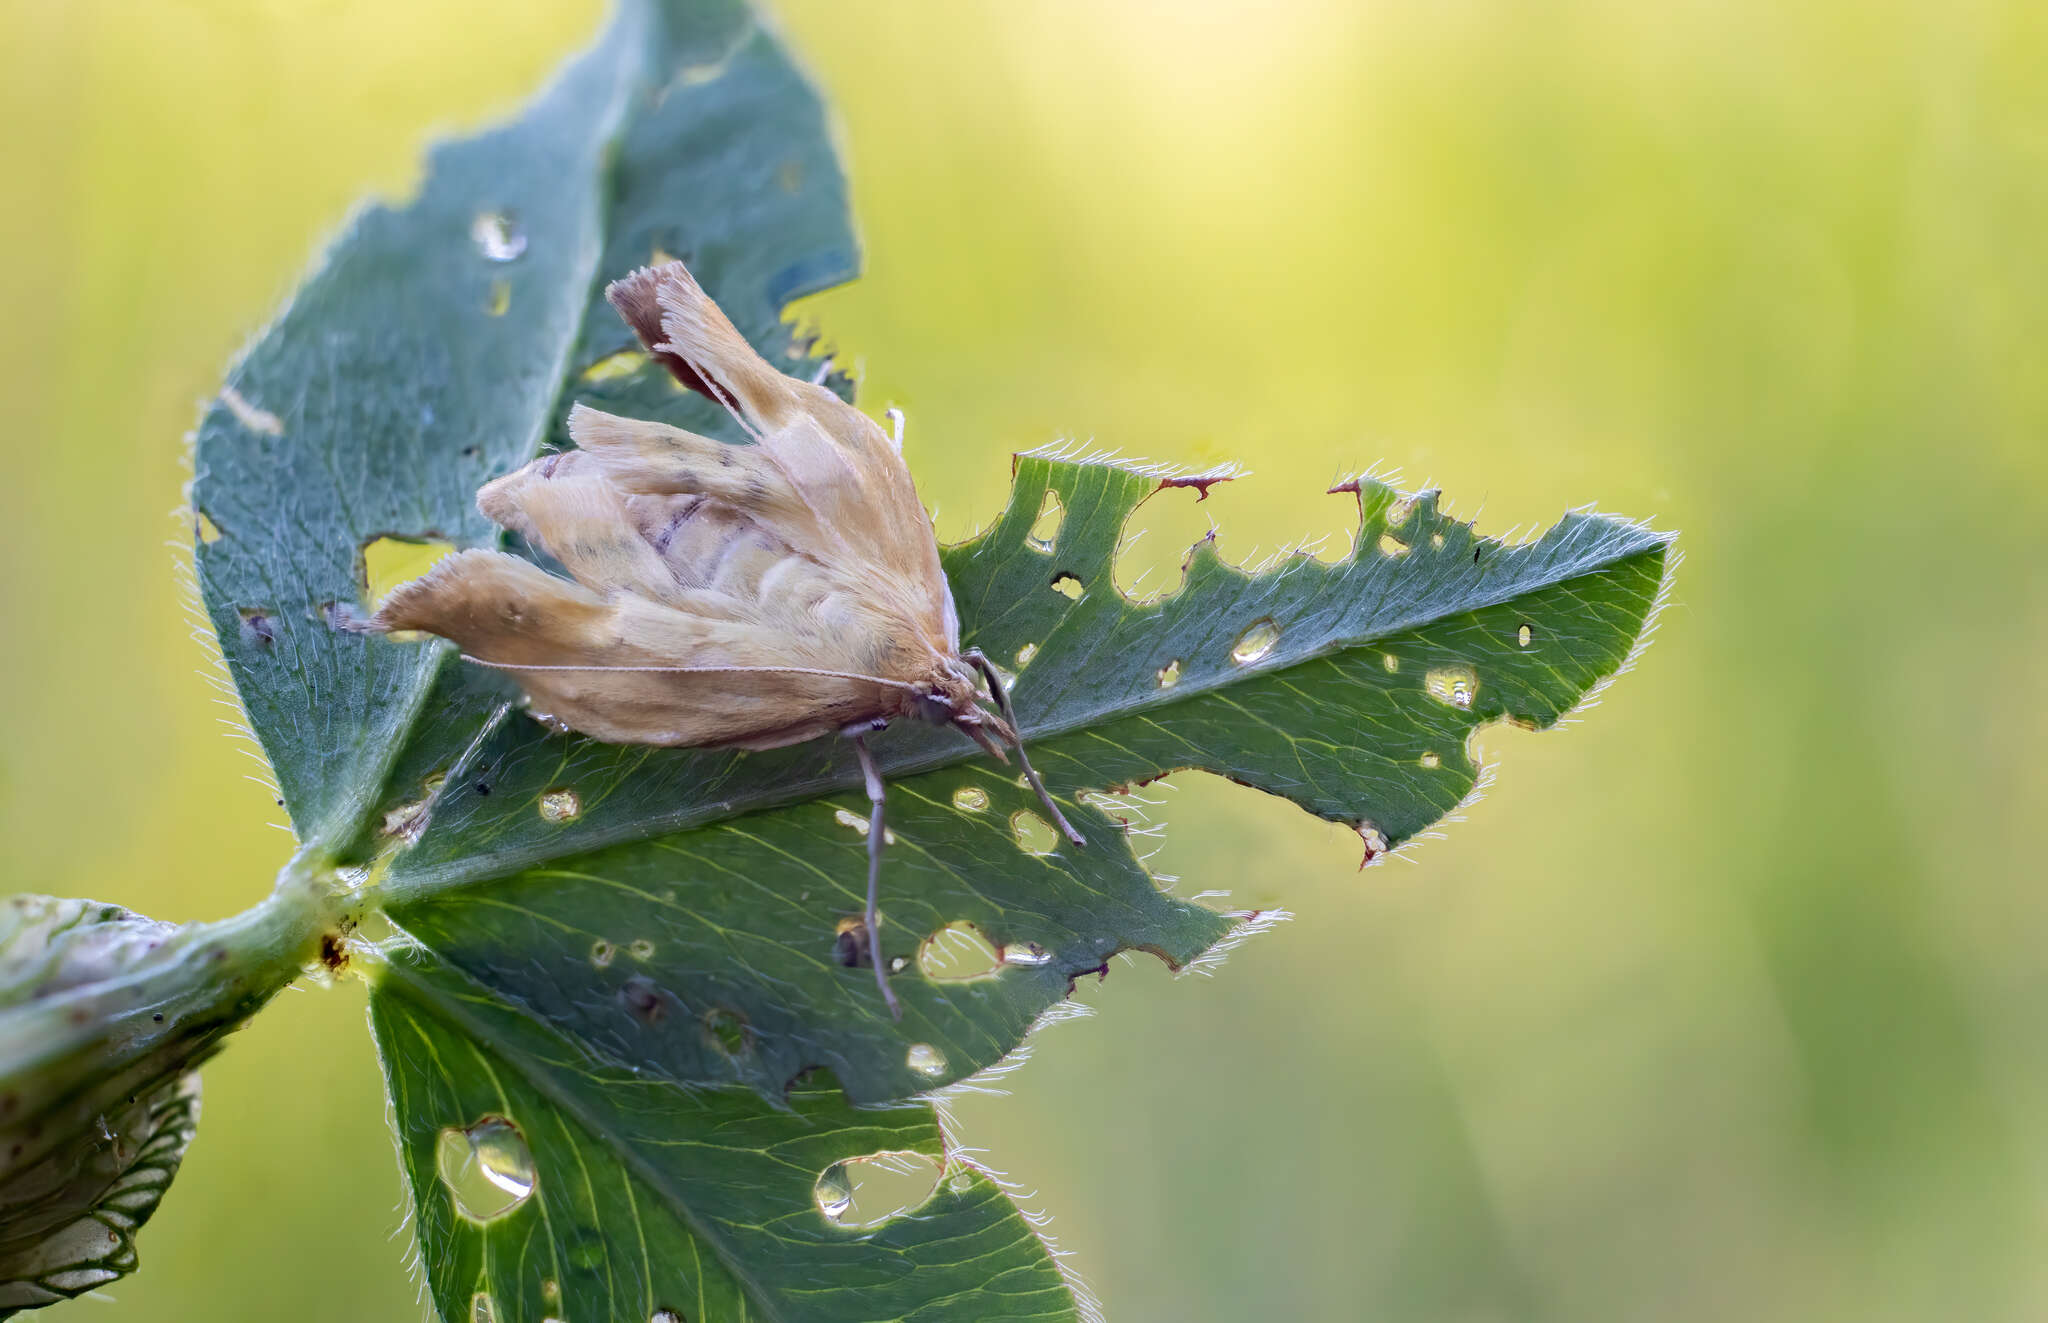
(1456, 685)
(496, 236)
(1257, 640)
(614, 366)
(487, 1168)
(407, 821)
(1034, 834)
(956, 953)
(970, 799)
(1169, 674)
(501, 298)
(664, 1316)
(961, 1181)
(1431, 761)
(1436, 541)
(1068, 586)
(1025, 654)
(853, 820)
(601, 953)
(1392, 546)
(561, 805)
(863, 1193)
(1390, 661)
(482, 1309)
(1028, 954)
(1050, 515)
(641, 950)
(926, 1060)
(1525, 635)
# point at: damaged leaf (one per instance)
(645, 965)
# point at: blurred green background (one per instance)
(1725, 1004)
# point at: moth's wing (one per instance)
(577, 517)
(863, 509)
(630, 670)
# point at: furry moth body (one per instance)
(722, 596)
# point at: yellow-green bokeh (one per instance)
(1724, 1004)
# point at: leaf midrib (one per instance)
(403, 886)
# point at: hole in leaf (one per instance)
(1392, 546)
(1025, 654)
(602, 953)
(1030, 955)
(614, 366)
(561, 805)
(1456, 685)
(644, 1000)
(1160, 538)
(956, 953)
(846, 818)
(1390, 661)
(1436, 541)
(487, 1168)
(1525, 635)
(1257, 640)
(850, 943)
(1431, 761)
(1067, 586)
(501, 298)
(497, 236)
(1046, 530)
(205, 529)
(727, 1030)
(641, 949)
(391, 561)
(1169, 674)
(926, 1060)
(862, 1193)
(1034, 834)
(970, 799)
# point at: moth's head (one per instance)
(952, 697)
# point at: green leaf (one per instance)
(644, 1197)
(630, 959)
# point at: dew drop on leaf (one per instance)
(561, 805)
(641, 949)
(601, 953)
(482, 1309)
(1456, 685)
(664, 1316)
(1025, 654)
(1431, 761)
(487, 1168)
(1028, 954)
(926, 1060)
(497, 236)
(1257, 640)
(970, 799)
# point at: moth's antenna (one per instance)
(1002, 694)
(878, 835)
(696, 670)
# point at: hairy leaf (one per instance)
(631, 965)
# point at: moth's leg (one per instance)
(1002, 696)
(878, 835)
(895, 417)
(824, 371)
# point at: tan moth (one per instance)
(722, 596)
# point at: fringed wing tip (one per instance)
(637, 298)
